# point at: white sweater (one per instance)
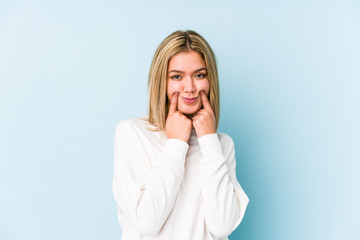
(167, 189)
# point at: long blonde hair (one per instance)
(179, 41)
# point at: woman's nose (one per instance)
(189, 85)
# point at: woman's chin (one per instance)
(188, 111)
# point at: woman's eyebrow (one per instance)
(200, 70)
(178, 71)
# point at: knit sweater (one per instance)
(170, 189)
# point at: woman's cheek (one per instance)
(204, 86)
(176, 87)
(172, 89)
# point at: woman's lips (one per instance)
(189, 100)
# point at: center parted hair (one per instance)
(179, 41)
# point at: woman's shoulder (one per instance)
(225, 140)
(134, 124)
(224, 136)
(137, 121)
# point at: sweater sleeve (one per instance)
(225, 201)
(146, 196)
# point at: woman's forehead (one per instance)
(186, 62)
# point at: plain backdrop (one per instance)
(290, 83)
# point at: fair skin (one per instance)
(187, 90)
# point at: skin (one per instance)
(187, 77)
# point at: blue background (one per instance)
(290, 83)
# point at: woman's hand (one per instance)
(177, 125)
(204, 120)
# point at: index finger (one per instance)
(173, 104)
(205, 101)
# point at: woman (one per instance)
(174, 176)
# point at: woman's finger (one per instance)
(200, 112)
(173, 104)
(205, 101)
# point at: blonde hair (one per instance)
(179, 41)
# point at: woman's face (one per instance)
(187, 74)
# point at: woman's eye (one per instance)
(176, 77)
(200, 75)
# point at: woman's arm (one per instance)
(146, 197)
(225, 201)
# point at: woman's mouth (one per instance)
(189, 100)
